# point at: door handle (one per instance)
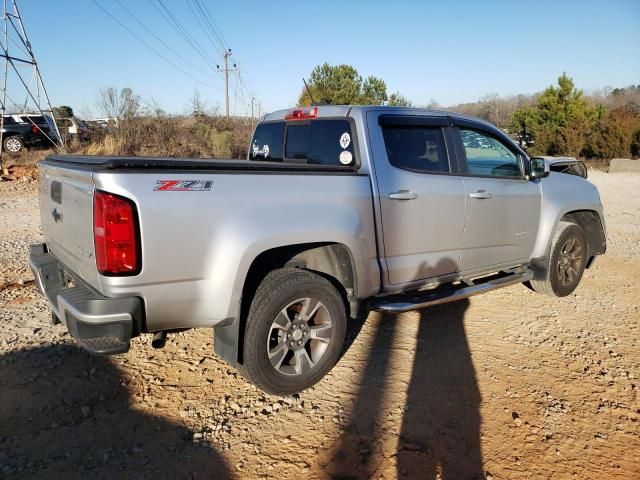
(481, 194)
(403, 195)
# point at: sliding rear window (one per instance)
(267, 142)
(316, 142)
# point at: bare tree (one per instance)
(152, 108)
(122, 105)
(196, 104)
(86, 113)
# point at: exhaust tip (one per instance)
(159, 339)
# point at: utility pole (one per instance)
(226, 71)
(253, 99)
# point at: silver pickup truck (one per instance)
(337, 210)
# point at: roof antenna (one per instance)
(313, 102)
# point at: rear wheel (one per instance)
(295, 331)
(13, 144)
(566, 263)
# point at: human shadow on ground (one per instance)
(440, 432)
(66, 414)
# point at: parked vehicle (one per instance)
(105, 122)
(19, 133)
(46, 125)
(338, 210)
(73, 127)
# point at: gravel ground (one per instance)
(509, 385)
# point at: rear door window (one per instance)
(416, 148)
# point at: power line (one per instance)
(167, 46)
(208, 20)
(212, 31)
(150, 47)
(215, 26)
(173, 21)
(203, 27)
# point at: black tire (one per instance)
(566, 263)
(13, 144)
(282, 296)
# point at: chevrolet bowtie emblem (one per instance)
(57, 216)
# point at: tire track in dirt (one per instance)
(510, 385)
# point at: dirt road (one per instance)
(510, 385)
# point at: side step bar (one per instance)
(418, 300)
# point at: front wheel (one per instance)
(567, 260)
(295, 331)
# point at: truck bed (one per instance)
(197, 241)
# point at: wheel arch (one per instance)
(332, 260)
(593, 227)
(591, 222)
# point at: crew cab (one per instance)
(337, 210)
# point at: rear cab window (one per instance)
(419, 149)
(316, 142)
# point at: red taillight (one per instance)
(115, 234)
(302, 113)
(35, 129)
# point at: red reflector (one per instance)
(115, 234)
(302, 113)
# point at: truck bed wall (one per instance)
(197, 246)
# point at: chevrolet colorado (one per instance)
(337, 210)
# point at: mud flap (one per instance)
(226, 342)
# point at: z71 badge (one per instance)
(183, 185)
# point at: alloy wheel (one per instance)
(299, 336)
(569, 261)
(13, 145)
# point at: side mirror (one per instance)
(539, 167)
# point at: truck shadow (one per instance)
(68, 414)
(440, 431)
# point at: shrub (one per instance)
(613, 135)
(198, 137)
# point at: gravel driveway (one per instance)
(509, 385)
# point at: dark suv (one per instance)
(20, 131)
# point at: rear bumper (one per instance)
(100, 325)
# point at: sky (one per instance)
(451, 52)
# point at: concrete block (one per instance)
(624, 165)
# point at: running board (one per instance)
(417, 300)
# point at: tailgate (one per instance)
(66, 212)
